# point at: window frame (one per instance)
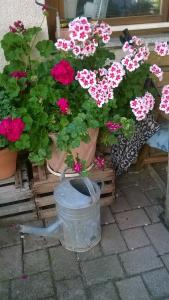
(162, 17)
(114, 21)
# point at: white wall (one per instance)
(26, 11)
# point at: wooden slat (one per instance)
(157, 159)
(164, 81)
(48, 187)
(160, 183)
(44, 201)
(49, 200)
(156, 59)
(7, 181)
(17, 208)
(48, 213)
(9, 194)
(18, 219)
(51, 212)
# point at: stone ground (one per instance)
(130, 263)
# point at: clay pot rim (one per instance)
(6, 149)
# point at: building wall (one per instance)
(26, 11)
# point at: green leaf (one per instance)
(31, 32)
(28, 121)
(23, 143)
(15, 48)
(3, 142)
(12, 87)
(46, 48)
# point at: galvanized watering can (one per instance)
(78, 222)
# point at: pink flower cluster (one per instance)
(63, 72)
(86, 78)
(18, 74)
(164, 104)
(142, 105)
(156, 70)
(17, 27)
(100, 84)
(83, 37)
(100, 162)
(112, 126)
(77, 166)
(137, 53)
(12, 129)
(63, 105)
(102, 30)
(161, 48)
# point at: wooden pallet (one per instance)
(16, 198)
(44, 184)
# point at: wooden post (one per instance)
(167, 198)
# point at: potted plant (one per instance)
(68, 89)
(11, 131)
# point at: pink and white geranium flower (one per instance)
(164, 104)
(83, 37)
(141, 106)
(157, 71)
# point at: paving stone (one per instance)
(154, 212)
(70, 290)
(130, 219)
(140, 260)
(9, 235)
(91, 254)
(34, 287)
(159, 236)
(10, 262)
(32, 242)
(146, 182)
(154, 195)
(120, 204)
(102, 269)
(51, 241)
(157, 282)
(65, 265)
(104, 291)
(4, 290)
(132, 289)
(128, 179)
(106, 215)
(165, 259)
(135, 238)
(135, 197)
(35, 262)
(112, 241)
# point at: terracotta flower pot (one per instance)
(7, 163)
(86, 151)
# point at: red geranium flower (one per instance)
(63, 105)
(18, 74)
(77, 167)
(12, 128)
(63, 72)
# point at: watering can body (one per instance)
(78, 210)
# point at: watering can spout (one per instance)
(54, 228)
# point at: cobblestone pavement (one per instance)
(130, 263)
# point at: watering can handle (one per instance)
(93, 189)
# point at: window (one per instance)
(114, 12)
(118, 11)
